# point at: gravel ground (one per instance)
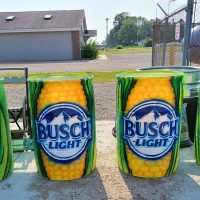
(15, 94)
(104, 98)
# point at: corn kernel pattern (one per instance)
(146, 89)
(57, 92)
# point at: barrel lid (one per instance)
(63, 77)
(192, 73)
(149, 73)
(185, 69)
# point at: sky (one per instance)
(96, 11)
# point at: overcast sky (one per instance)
(96, 11)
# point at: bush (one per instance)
(148, 42)
(119, 47)
(90, 50)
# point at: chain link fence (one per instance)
(168, 39)
(170, 44)
(195, 35)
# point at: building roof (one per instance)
(31, 20)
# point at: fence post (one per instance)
(171, 54)
(187, 32)
(165, 42)
(153, 48)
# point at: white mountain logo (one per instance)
(65, 136)
(152, 134)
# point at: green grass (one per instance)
(126, 50)
(99, 76)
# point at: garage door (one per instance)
(43, 46)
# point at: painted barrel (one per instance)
(6, 151)
(63, 125)
(191, 85)
(197, 134)
(149, 106)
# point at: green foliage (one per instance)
(127, 50)
(148, 42)
(119, 18)
(128, 30)
(119, 47)
(90, 50)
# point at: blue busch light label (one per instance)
(151, 129)
(63, 131)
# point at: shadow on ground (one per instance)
(184, 184)
(90, 187)
(25, 183)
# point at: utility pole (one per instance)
(107, 30)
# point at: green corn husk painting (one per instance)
(197, 134)
(6, 152)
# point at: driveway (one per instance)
(113, 62)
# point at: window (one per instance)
(47, 17)
(10, 18)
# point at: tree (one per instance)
(128, 32)
(128, 29)
(113, 38)
(118, 20)
(144, 27)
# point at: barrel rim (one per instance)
(192, 69)
(148, 74)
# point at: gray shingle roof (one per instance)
(69, 19)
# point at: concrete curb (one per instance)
(102, 57)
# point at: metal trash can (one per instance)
(63, 125)
(191, 85)
(149, 106)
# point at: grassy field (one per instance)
(126, 50)
(99, 76)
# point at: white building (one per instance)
(42, 35)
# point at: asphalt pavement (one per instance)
(108, 63)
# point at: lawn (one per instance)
(126, 50)
(99, 76)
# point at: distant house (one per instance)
(43, 35)
(140, 43)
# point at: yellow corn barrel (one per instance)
(148, 125)
(55, 92)
(64, 93)
(146, 89)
